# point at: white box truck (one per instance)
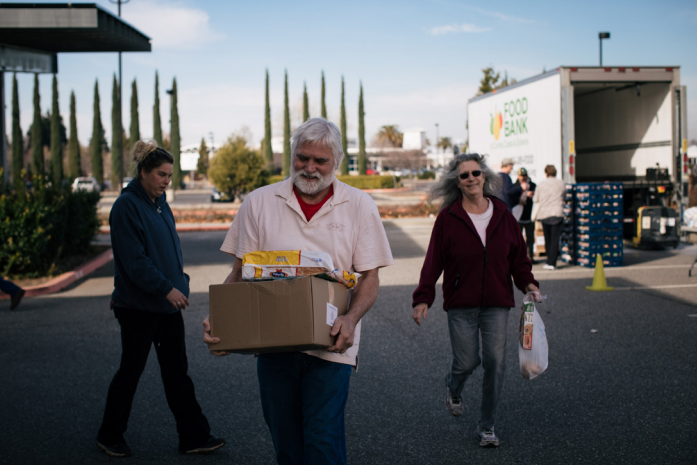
(597, 124)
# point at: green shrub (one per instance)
(370, 182)
(426, 175)
(42, 226)
(236, 168)
(359, 182)
(82, 221)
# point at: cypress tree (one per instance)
(306, 104)
(116, 136)
(56, 149)
(362, 159)
(268, 150)
(344, 140)
(202, 165)
(73, 144)
(37, 146)
(175, 140)
(135, 119)
(97, 139)
(17, 158)
(286, 132)
(324, 107)
(157, 123)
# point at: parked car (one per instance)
(85, 183)
(217, 196)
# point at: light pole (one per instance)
(120, 155)
(601, 36)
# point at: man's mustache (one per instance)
(308, 175)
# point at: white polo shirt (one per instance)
(347, 227)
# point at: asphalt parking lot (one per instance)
(620, 387)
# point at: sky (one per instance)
(419, 61)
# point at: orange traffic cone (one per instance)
(599, 282)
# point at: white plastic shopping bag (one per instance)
(532, 349)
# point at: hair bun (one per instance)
(143, 148)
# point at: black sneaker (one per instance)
(210, 445)
(120, 449)
(17, 298)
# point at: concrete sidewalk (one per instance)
(61, 282)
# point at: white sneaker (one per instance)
(487, 437)
(548, 267)
(453, 404)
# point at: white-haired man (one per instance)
(304, 394)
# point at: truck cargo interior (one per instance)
(622, 129)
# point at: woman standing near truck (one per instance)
(548, 209)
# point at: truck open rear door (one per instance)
(567, 135)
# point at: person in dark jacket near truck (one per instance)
(150, 290)
(477, 243)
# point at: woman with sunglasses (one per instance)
(478, 246)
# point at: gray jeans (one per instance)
(465, 325)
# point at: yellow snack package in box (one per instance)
(283, 264)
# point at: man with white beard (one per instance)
(304, 394)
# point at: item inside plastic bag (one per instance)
(533, 350)
(264, 265)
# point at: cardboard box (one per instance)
(539, 245)
(275, 316)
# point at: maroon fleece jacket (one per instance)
(475, 276)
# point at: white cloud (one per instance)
(171, 25)
(503, 16)
(457, 28)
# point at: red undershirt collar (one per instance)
(309, 210)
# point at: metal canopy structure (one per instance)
(32, 34)
(68, 27)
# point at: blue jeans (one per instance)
(465, 325)
(8, 287)
(303, 399)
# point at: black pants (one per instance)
(529, 236)
(552, 233)
(139, 330)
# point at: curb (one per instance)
(191, 227)
(66, 279)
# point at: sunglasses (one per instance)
(475, 173)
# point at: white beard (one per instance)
(318, 184)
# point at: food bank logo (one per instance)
(516, 122)
(496, 124)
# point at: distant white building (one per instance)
(189, 156)
(414, 139)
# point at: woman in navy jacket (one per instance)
(478, 246)
(150, 289)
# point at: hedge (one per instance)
(359, 182)
(40, 227)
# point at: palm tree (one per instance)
(445, 143)
(390, 135)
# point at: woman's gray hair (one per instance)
(319, 131)
(446, 190)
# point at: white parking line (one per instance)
(667, 286)
(578, 269)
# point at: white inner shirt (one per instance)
(481, 221)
